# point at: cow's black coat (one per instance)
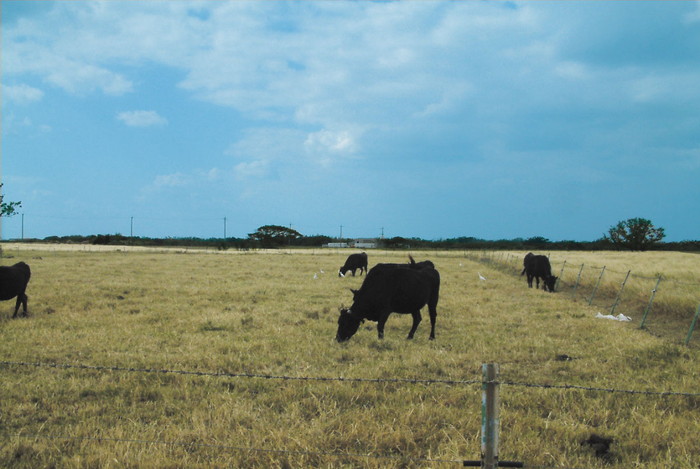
(13, 283)
(387, 288)
(354, 262)
(538, 267)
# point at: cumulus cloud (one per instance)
(330, 141)
(141, 118)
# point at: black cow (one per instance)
(538, 267)
(388, 288)
(13, 283)
(354, 262)
(421, 264)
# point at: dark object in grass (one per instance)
(600, 444)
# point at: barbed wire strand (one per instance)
(243, 375)
(343, 379)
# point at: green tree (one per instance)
(635, 234)
(274, 235)
(7, 209)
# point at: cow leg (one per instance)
(380, 325)
(416, 320)
(529, 280)
(19, 302)
(21, 299)
(433, 317)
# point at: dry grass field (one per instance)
(220, 359)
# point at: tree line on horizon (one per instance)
(632, 234)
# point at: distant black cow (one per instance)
(354, 262)
(13, 283)
(391, 288)
(538, 267)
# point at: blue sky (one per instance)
(421, 119)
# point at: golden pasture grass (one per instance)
(275, 314)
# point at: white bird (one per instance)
(315, 276)
(481, 277)
(322, 271)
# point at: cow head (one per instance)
(348, 323)
(549, 283)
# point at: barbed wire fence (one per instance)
(666, 307)
(483, 382)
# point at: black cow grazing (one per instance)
(13, 283)
(391, 288)
(538, 267)
(354, 262)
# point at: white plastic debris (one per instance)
(619, 317)
(481, 277)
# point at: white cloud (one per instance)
(251, 169)
(171, 180)
(21, 94)
(141, 118)
(330, 141)
(694, 16)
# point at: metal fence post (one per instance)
(595, 290)
(561, 274)
(619, 294)
(692, 325)
(651, 300)
(578, 280)
(490, 419)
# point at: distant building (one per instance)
(363, 243)
(336, 245)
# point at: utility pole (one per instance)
(131, 233)
(341, 232)
(224, 227)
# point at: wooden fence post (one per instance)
(651, 300)
(619, 294)
(590, 300)
(490, 419)
(692, 325)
